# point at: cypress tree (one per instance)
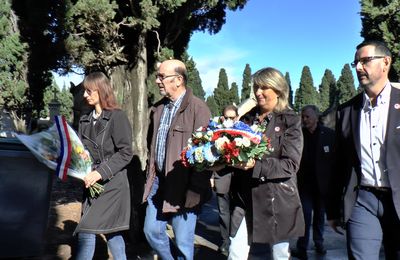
(212, 105)
(194, 80)
(221, 92)
(345, 85)
(234, 94)
(327, 87)
(246, 83)
(306, 94)
(381, 20)
(13, 66)
(287, 77)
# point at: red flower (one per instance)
(230, 151)
(216, 135)
(184, 160)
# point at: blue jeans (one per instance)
(314, 212)
(87, 244)
(155, 225)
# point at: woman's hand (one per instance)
(91, 178)
(245, 165)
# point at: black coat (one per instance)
(273, 209)
(315, 173)
(109, 143)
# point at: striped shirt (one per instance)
(167, 115)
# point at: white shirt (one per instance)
(373, 123)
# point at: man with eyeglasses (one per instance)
(174, 193)
(367, 175)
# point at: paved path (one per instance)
(208, 239)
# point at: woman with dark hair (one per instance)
(106, 133)
(267, 187)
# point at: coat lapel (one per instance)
(393, 124)
(355, 123)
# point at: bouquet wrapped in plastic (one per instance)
(225, 143)
(60, 149)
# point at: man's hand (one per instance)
(192, 199)
(335, 225)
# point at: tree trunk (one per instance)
(131, 91)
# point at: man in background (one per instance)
(313, 179)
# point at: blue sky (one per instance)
(285, 34)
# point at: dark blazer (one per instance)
(222, 181)
(321, 162)
(343, 192)
(269, 190)
(109, 143)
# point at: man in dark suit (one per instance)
(367, 175)
(313, 178)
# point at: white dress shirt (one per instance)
(373, 123)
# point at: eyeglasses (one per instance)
(90, 91)
(162, 77)
(230, 117)
(365, 60)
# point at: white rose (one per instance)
(254, 128)
(238, 141)
(246, 142)
(220, 142)
(198, 135)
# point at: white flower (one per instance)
(238, 141)
(254, 127)
(220, 142)
(246, 142)
(198, 135)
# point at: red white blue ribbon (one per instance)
(64, 158)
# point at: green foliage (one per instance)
(104, 33)
(327, 90)
(287, 77)
(212, 105)
(246, 83)
(345, 85)
(306, 93)
(194, 80)
(221, 92)
(234, 95)
(13, 62)
(41, 25)
(381, 21)
(94, 36)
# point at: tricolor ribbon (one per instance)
(64, 158)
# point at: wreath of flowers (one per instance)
(225, 142)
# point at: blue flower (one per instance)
(210, 153)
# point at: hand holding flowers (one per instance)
(47, 147)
